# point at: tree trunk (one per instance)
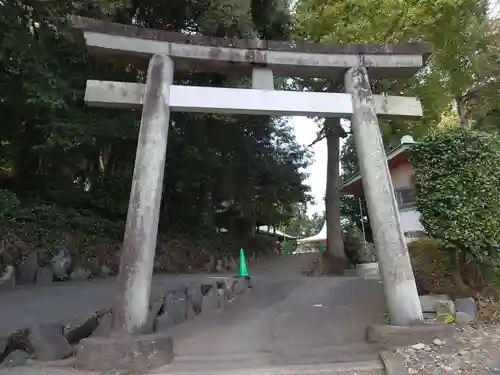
(335, 244)
(461, 110)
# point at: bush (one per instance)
(8, 204)
(357, 250)
(458, 181)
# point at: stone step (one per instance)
(303, 359)
(339, 368)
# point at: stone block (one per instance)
(445, 307)
(175, 307)
(104, 327)
(8, 278)
(428, 302)
(81, 331)
(240, 286)
(61, 263)
(80, 274)
(194, 298)
(466, 310)
(44, 276)
(390, 336)
(26, 271)
(15, 358)
(132, 353)
(210, 301)
(164, 322)
(48, 342)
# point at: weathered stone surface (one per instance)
(26, 271)
(390, 335)
(8, 278)
(466, 310)
(240, 286)
(175, 307)
(222, 300)
(194, 297)
(445, 307)
(428, 302)
(132, 353)
(15, 358)
(44, 275)
(105, 270)
(80, 273)
(3, 345)
(75, 334)
(164, 322)
(155, 309)
(233, 265)
(210, 300)
(463, 318)
(49, 343)
(104, 327)
(61, 263)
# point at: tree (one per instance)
(221, 171)
(457, 188)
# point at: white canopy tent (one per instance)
(321, 236)
(267, 229)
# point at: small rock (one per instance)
(462, 352)
(26, 272)
(445, 307)
(194, 298)
(219, 267)
(419, 346)
(240, 286)
(49, 343)
(210, 301)
(233, 265)
(463, 318)
(61, 264)
(105, 270)
(44, 276)
(466, 306)
(15, 358)
(437, 342)
(80, 273)
(8, 278)
(428, 302)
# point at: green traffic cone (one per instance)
(321, 248)
(243, 271)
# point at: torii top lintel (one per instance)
(202, 53)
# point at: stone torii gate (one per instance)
(168, 51)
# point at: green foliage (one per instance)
(226, 171)
(353, 244)
(457, 183)
(8, 204)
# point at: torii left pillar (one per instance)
(139, 244)
(126, 347)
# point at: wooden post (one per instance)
(139, 243)
(392, 252)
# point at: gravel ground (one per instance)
(473, 350)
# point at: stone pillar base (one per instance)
(130, 353)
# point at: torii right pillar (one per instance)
(392, 252)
